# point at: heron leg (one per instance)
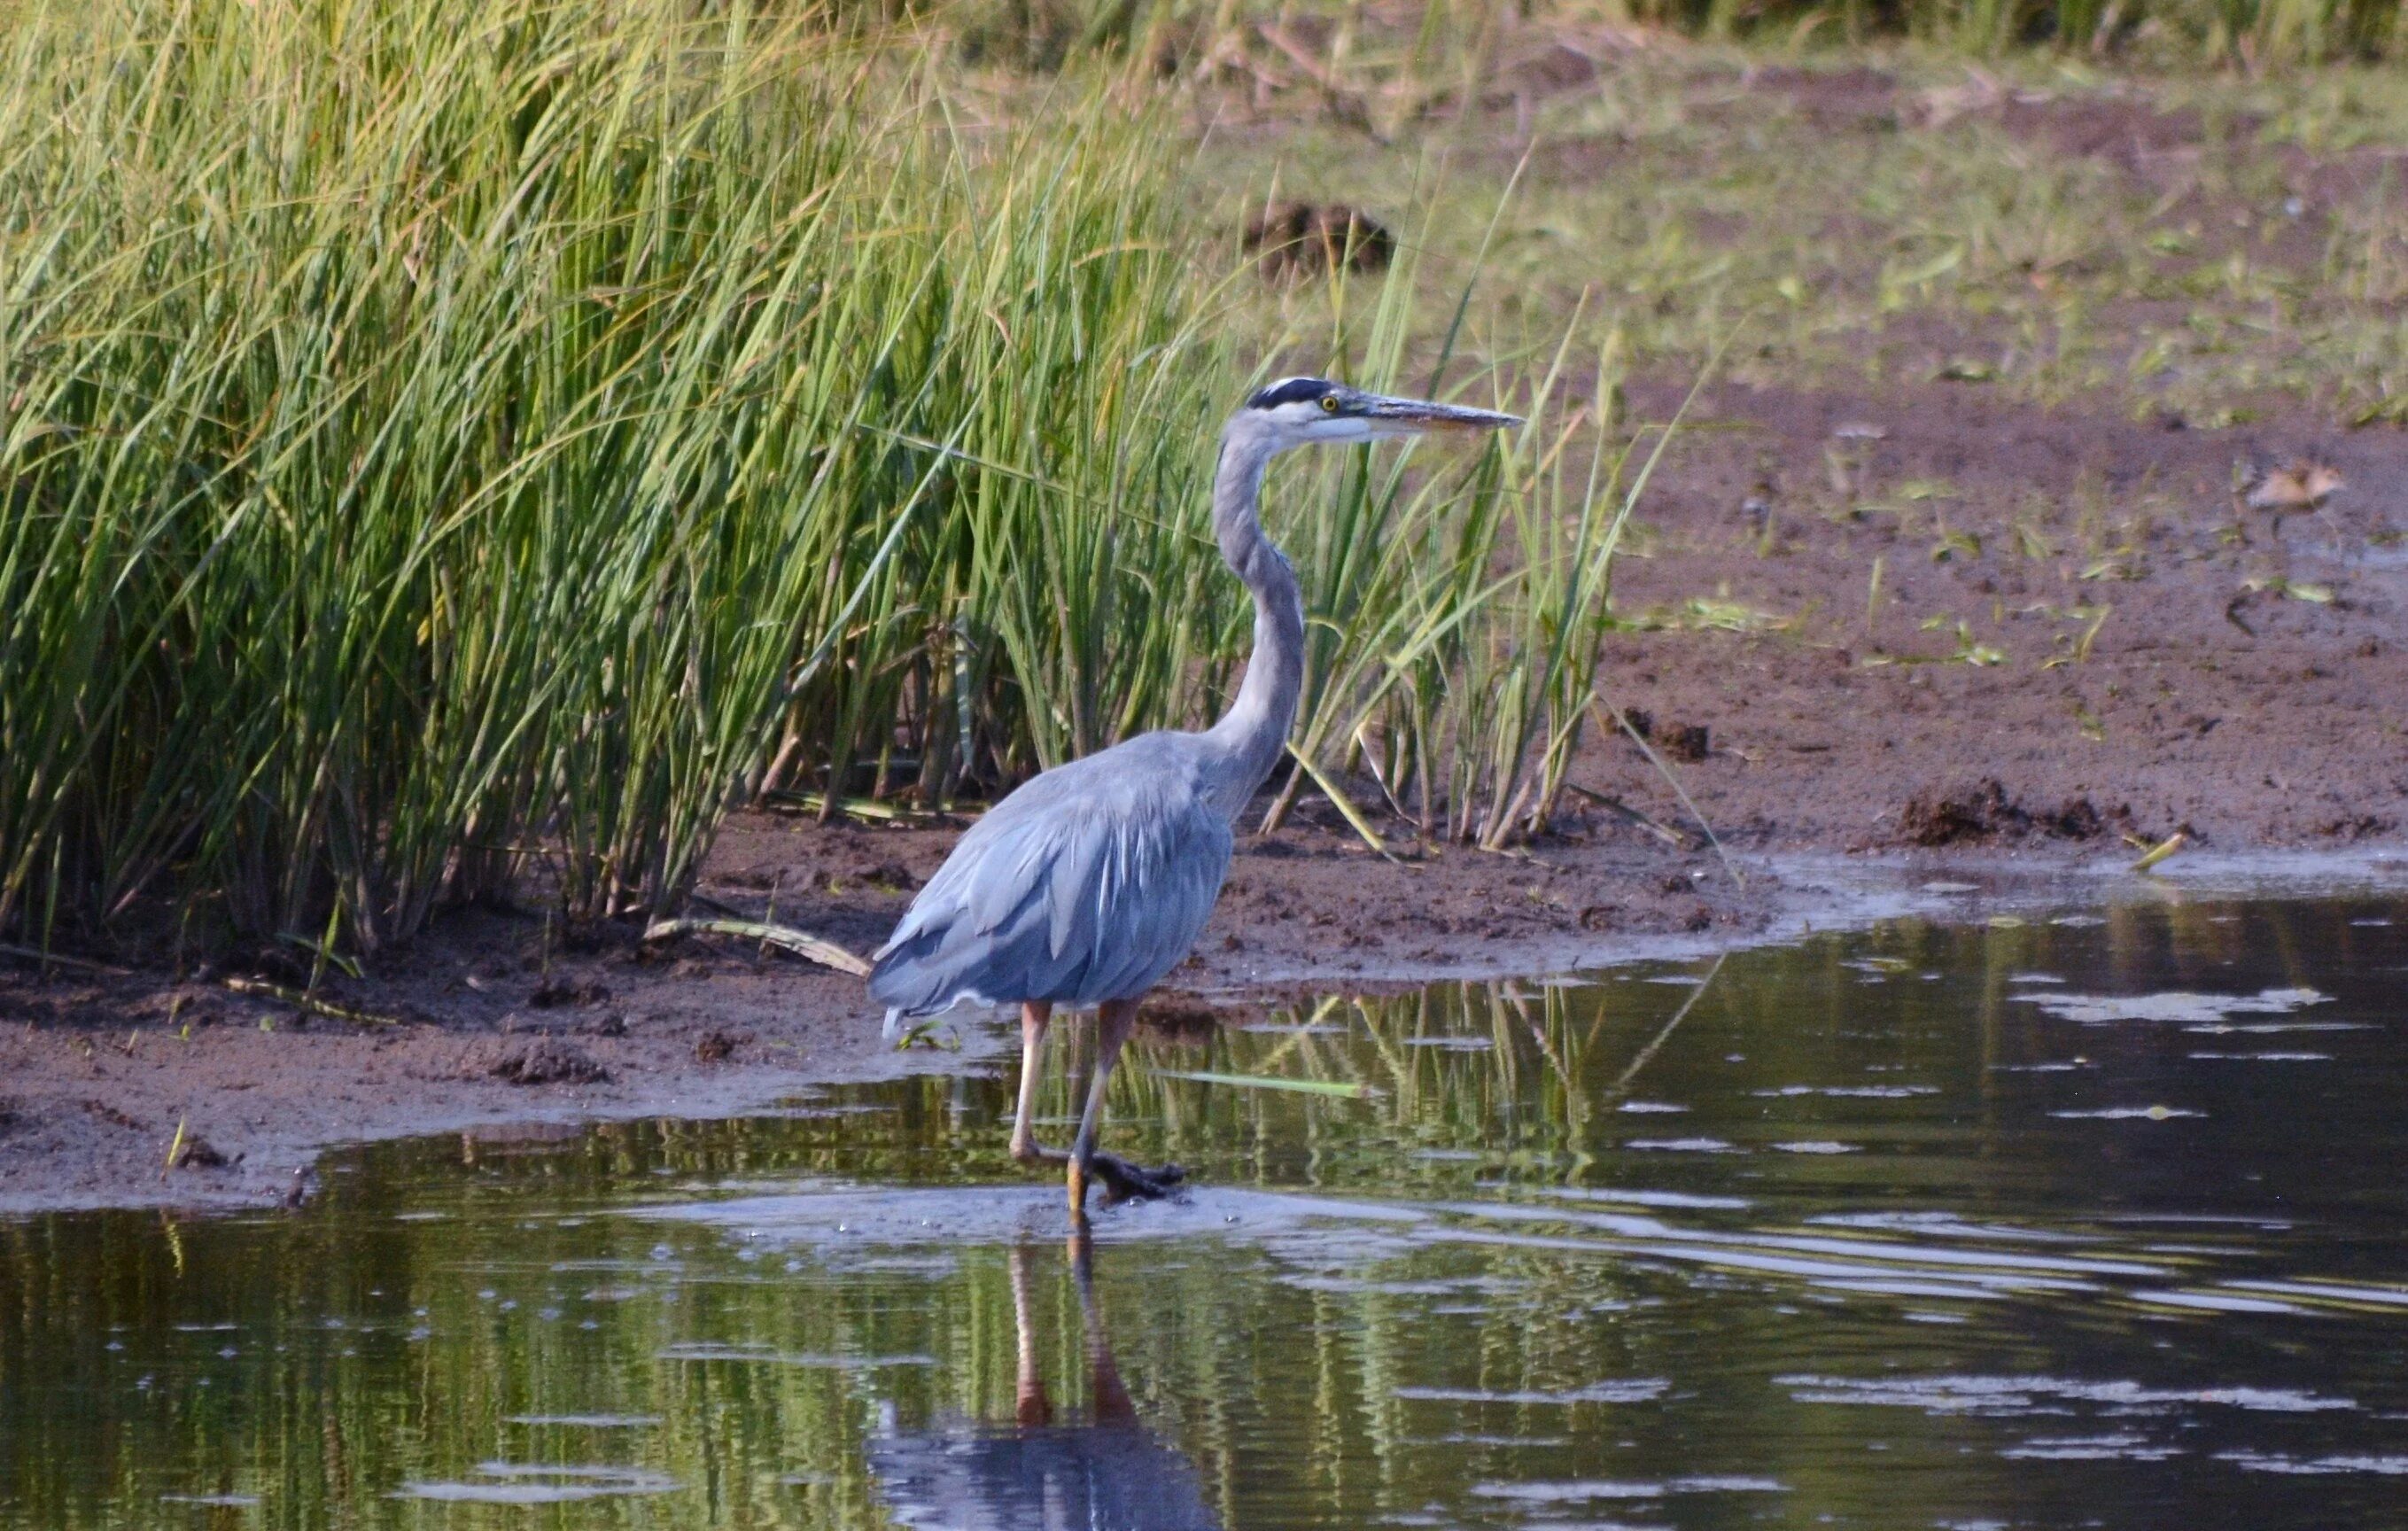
(1124, 1180)
(1034, 1015)
(1114, 1019)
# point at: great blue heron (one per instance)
(1092, 879)
(1106, 1472)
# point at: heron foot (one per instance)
(1121, 1180)
(1125, 1182)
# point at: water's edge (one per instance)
(1810, 894)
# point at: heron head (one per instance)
(1302, 412)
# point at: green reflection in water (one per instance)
(1877, 1228)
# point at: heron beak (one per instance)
(1411, 417)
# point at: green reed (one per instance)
(440, 438)
(444, 443)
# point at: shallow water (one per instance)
(2093, 1221)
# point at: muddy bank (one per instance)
(1872, 598)
(492, 1021)
(493, 1031)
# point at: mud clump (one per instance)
(1981, 812)
(104, 1112)
(2356, 828)
(1690, 742)
(884, 874)
(1306, 239)
(2075, 819)
(540, 1060)
(556, 993)
(1985, 812)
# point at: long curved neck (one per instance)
(1251, 736)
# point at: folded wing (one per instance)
(1089, 883)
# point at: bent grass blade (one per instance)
(1336, 1088)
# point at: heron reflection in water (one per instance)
(1106, 1472)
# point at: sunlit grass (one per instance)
(443, 441)
(1932, 228)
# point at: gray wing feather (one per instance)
(1088, 884)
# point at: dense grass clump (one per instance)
(434, 434)
(442, 436)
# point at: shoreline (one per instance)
(100, 1087)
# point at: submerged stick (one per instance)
(793, 942)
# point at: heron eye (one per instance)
(1329, 404)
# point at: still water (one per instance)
(2092, 1220)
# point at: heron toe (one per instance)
(1166, 1179)
(1125, 1182)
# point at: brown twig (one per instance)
(310, 1004)
(1631, 816)
(810, 948)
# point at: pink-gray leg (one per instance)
(1033, 1017)
(1115, 1020)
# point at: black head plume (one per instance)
(1290, 390)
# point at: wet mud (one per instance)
(2175, 677)
(493, 1031)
